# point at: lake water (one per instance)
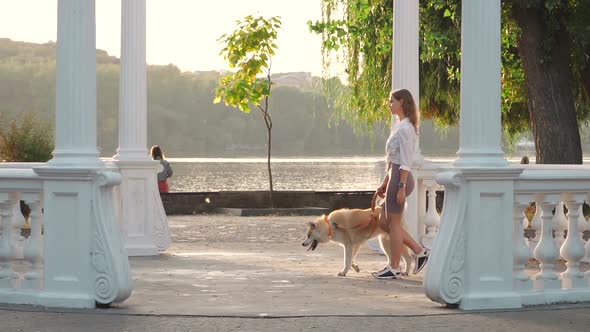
(319, 174)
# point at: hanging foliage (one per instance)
(359, 32)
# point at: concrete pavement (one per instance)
(226, 273)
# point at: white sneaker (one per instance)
(388, 273)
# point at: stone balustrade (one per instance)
(73, 255)
(558, 236)
(21, 259)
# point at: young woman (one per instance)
(399, 183)
(157, 154)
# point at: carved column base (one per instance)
(465, 268)
(84, 259)
(144, 224)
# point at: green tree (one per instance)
(249, 49)
(25, 138)
(545, 65)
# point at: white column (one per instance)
(84, 261)
(144, 223)
(133, 84)
(75, 113)
(406, 52)
(405, 75)
(465, 267)
(480, 140)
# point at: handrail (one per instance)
(553, 179)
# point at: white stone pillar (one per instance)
(481, 134)
(405, 75)
(75, 112)
(406, 53)
(465, 267)
(133, 83)
(84, 260)
(144, 222)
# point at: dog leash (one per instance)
(373, 218)
(373, 201)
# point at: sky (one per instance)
(181, 32)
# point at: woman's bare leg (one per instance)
(396, 237)
(410, 242)
(406, 237)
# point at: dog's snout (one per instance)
(306, 242)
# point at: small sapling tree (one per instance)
(249, 50)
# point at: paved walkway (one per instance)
(225, 273)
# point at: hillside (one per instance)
(182, 117)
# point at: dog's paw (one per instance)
(342, 274)
(355, 267)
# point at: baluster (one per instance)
(535, 223)
(559, 225)
(546, 251)
(431, 219)
(7, 274)
(525, 224)
(33, 252)
(573, 248)
(522, 253)
(584, 225)
(587, 246)
(18, 222)
(422, 198)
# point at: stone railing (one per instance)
(552, 188)
(21, 259)
(73, 255)
(429, 203)
(428, 218)
(481, 256)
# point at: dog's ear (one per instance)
(311, 224)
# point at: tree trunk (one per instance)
(549, 90)
(269, 170)
(586, 76)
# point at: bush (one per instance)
(25, 138)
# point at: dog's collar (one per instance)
(329, 226)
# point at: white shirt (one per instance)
(399, 148)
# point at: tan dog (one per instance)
(350, 228)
